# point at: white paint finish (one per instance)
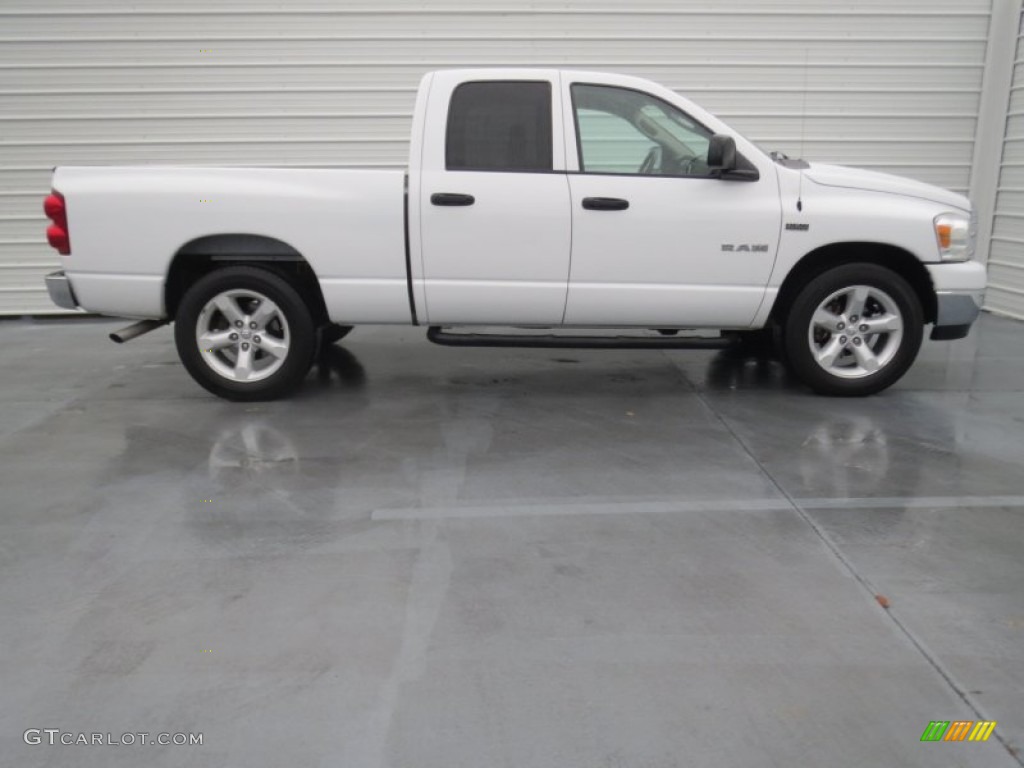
(840, 214)
(496, 302)
(118, 294)
(281, 84)
(347, 224)
(367, 301)
(859, 179)
(652, 305)
(845, 210)
(966, 277)
(505, 258)
(660, 263)
(413, 192)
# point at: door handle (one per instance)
(605, 203)
(451, 198)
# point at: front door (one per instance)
(690, 250)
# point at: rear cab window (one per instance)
(500, 126)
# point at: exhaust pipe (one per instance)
(135, 330)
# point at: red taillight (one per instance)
(58, 238)
(57, 234)
(53, 206)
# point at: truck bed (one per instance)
(129, 223)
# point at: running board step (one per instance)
(445, 338)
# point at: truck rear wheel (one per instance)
(853, 330)
(244, 333)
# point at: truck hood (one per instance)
(856, 178)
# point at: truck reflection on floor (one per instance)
(532, 427)
(251, 449)
(841, 447)
(855, 451)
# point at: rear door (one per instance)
(495, 222)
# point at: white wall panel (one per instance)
(1006, 254)
(868, 83)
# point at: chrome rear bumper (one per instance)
(59, 288)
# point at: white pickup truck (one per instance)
(534, 199)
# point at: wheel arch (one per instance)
(202, 255)
(821, 259)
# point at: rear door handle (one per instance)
(451, 198)
(605, 203)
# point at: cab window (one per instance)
(619, 130)
(499, 126)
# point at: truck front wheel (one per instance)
(853, 330)
(244, 333)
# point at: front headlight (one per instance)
(955, 234)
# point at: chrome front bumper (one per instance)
(59, 288)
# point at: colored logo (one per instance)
(958, 730)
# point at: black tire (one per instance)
(889, 296)
(291, 331)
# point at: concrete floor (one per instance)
(440, 558)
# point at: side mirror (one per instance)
(722, 153)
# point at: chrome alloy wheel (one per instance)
(856, 331)
(242, 335)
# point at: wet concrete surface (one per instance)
(446, 557)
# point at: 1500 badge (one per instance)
(744, 248)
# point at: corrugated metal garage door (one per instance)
(1006, 253)
(881, 86)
